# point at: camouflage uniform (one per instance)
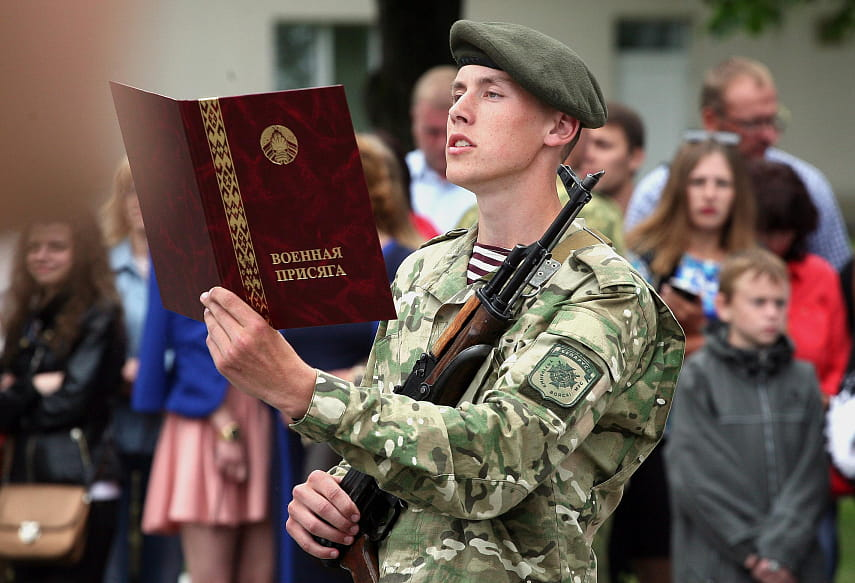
(601, 213)
(512, 486)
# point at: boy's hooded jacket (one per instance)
(746, 462)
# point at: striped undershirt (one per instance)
(485, 259)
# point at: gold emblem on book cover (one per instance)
(279, 144)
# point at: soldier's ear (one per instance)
(563, 131)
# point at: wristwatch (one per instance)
(230, 431)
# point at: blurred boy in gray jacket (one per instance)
(745, 456)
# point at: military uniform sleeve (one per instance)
(554, 380)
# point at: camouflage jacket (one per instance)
(511, 486)
(604, 215)
(601, 213)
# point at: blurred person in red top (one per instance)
(817, 317)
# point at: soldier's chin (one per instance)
(460, 177)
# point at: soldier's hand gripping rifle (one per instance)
(443, 375)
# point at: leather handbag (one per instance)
(43, 522)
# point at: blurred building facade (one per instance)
(61, 139)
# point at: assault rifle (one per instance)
(442, 375)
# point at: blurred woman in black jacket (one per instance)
(61, 369)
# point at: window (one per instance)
(653, 78)
(653, 35)
(311, 55)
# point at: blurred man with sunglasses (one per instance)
(739, 96)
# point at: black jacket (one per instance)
(47, 430)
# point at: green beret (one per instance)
(545, 67)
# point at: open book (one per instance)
(262, 194)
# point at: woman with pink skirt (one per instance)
(211, 471)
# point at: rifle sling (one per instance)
(584, 237)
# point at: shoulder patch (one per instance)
(564, 375)
(452, 234)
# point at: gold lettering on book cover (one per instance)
(279, 144)
(312, 271)
(306, 255)
(227, 182)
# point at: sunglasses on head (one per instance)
(723, 138)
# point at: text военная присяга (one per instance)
(305, 256)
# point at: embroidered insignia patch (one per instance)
(564, 375)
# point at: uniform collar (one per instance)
(447, 282)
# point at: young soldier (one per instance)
(511, 484)
(745, 455)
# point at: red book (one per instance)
(262, 194)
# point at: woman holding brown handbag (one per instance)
(61, 369)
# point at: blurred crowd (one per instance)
(190, 478)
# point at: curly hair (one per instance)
(90, 282)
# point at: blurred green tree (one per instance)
(756, 16)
